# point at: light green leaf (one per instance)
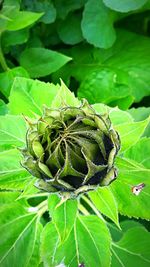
(105, 202)
(21, 19)
(12, 174)
(7, 78)
(139, 114)
(125, 5)
(12, 131)
(8, 197)
(69, 30)
(63, 215)
(20, 236)
(140, 152)
(28, 96)
(65, 98)
(40, 62)
(132, 249)
(97, 24)
(89, 237)
(131, 174)
(130, 133)
(116, 115)
(49, 243)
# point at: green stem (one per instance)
(2, 58)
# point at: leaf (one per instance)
(64, 98)
(105, 202)
(140, 152)
(130, 133)
(12, 131)
(64, 8)
(69, 30)
(28, 96)
(14, 37)
(124, 6)
(12, 174)
(130, 174)
(49, 243)
(132, 249)
(40, 62)
(117, 233)
(3, 108)
(21, 19)
(95, 16)
(63, 215)
(107, 88)
(87, 239)
(116, 115)
(45, 6)
(7, 78)
(19, 245)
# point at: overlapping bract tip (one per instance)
(71, 149)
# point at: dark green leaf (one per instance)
(41, 61)
(15, 37)
(3, 108)
(97, 24)
(69, 30)
(64, 7)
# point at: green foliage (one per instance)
(100, 49)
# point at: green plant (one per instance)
(100, 49)
(78, 228)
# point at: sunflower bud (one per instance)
(71, 149)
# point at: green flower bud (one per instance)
(71, 149)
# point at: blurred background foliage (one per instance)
(100, 48)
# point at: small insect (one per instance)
(81, 265)
(137, 189)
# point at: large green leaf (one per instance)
(40, 62)
(125, 5)
(63, 215)
(20, 236)
(7, 78)
(130, 174)
(28, 96)
(12, 131)
(132, 249)
(12, 175)
(88, 243)
(105, 202)
(140, 152)
(108, 87)
(95, 16)
(130, 133)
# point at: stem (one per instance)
(42, 207)
(2, 58)
(83, 210)
(93, 208)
